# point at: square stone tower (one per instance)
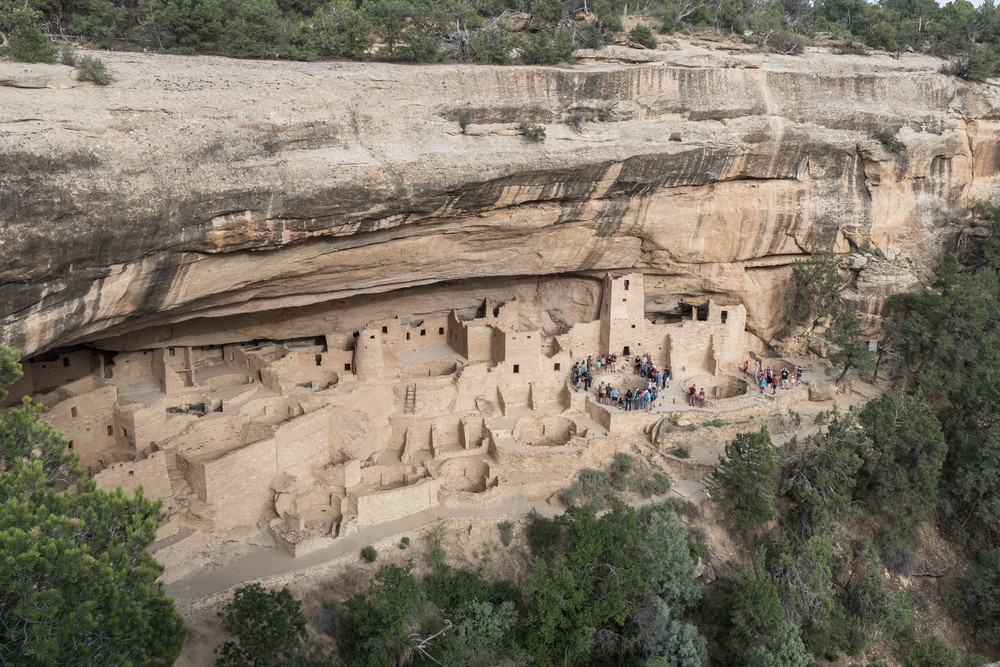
(623, 321)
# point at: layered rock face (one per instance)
(203, 200)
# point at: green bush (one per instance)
(533, 133)
(369, 554)
(643, 34)
(404, 542)
(889, 139)
(268, 627)
(67, 55)
(30, 45)
(92, 69)
(491, 46)
(786, 43)
(931, 651)
(506, 532)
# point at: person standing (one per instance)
(784, 378)
(701, 398)
(746, 367)
(691, 395)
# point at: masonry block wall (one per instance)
(87, 421)
(383, 506)
(149, 473)
(237, 483)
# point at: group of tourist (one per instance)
(766, 377)
(641, 398)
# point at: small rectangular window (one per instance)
(65, 362)
(556, 366)
(440, 331)
(372, 337)
(633, 326)
(407, 335)
(517, 368)
(347, 367)
(725, 315)
(385, 330)
(423, 332)
(173, 352)
(111, 430)
(319, 359)
(72, 412)
(626, 285)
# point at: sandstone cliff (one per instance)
(204, 200)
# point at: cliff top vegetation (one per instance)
(544, 32)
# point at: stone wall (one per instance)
(382, 506)
(149, 473)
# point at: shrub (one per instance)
(655, 485)
(786, 43)
(435, 541)
(889, 139)
(643, 34)
(533, 133)
(931, 651)
(268, 626)
(67, 55)
(680, 452)
(30, 45)
(589, 36)
(607, 111)
(92, 69)
(369, 554)
(506, 532)
(491, 46)
(404, 542)
(977, 596)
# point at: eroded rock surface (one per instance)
(201, 200)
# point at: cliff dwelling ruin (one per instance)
(323, 437)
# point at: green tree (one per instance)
(341, 30)
(816, 286)
(77, 583)
(378, 627)
(977, 596)
(759, 633)
(903, 466)
(820, 475)
(268, 627)
(850, 350)
(744, 483)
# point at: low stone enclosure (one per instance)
(319, 438)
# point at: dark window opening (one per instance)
(517, 368)
(319, 359)
(626, 285)
(440, 331)
(173, 352)
(423, 332)
(347, 367)
(633, 326)
(72, 412)
(111, 430)
(625, 352)
(125, 432)
(725, 314)
(407, 335)
(65, 361)
(556, 366)
(131, 473)
(624, 299)
(385, 330)
(702, 313)
(496, 312)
